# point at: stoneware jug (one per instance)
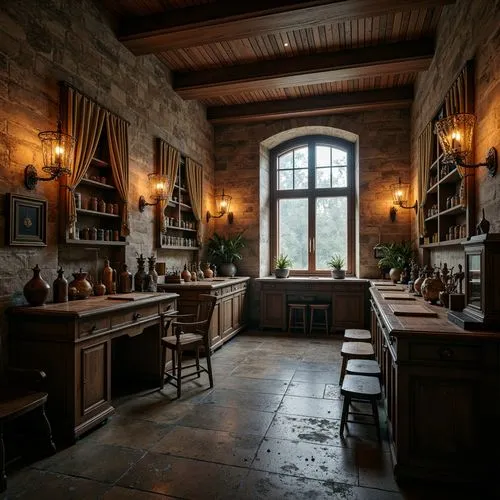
(83, 287)
(60, 287)
(37, 289)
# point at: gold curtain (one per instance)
(194, 174)
(424, 149)
(168, 164)
(117, 130)
(457, 100)
(84, 121)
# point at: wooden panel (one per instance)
(132, 316)
(348, 310)
(411, 310)
(272, 310)
(95, 371)
(226, 308)
(93, 326)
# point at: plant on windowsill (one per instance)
(282, 266)
(224, 250)
(337, 263)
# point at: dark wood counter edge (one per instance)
(310, 279)
(209, 285)
(100, 305)
(447, 330)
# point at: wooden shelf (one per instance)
(433, 188)
(448, 243)
(97, 184)
(96, 243)
(432, 217)
(177, 228)
(450, 178)
(171, 247)
(84, 211)
(99, 163)
(457, 209)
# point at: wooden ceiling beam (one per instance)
(312, 69)
(398, 97)
(231, 20)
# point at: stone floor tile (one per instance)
(375, 469)
(311, 407)
(300, 459)
(253, 385)
(185, 478)
(306, 389)
(100, 462)
(326, 377)
(262, 371)
(242, 399)
(332, 391)
(236, 420)
(30, 484)
(119, 493)
(209, 445)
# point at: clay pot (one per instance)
(60, 287)
(338, 274)
(186, 275)
(99, 289)
(125, 280)
(281, 273)
(227, 269)
(37, 289)
(83, 287)
(418, 285)
(395, 274)
(207, 272)
(109, 277)
(430, 289)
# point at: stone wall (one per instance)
(467, 30)
(42, 43)
(383, 156)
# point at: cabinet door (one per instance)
(237, 310)
(348, 310)
(95, 380)
(226, 316)
(215, 327)
(272, 310)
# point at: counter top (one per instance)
(438, 326)
(322, 279)
(209, 283)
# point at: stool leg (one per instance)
(325, 311)
(375, 416)
(3, 477)
(311, 320)
(343, 369)
(345, 412)
(290, 317)
(304, 321)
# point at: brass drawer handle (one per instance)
(446, 353)
(136, 316)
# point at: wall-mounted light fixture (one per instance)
(158, 190)
(222, 204)
(400, 195)
(57, 154)
(455, 133)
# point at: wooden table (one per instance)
(83, 346)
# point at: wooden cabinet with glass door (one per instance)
(179, 228)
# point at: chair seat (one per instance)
(14, 403)
(184, 339)
(361, 387)
(357, 334)
(357, 349)
(363, 367)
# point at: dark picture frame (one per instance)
(27, 221)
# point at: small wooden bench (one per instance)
(319, 322)
(362, 388)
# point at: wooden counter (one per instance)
(348, 298)
(82, 345)
(441, 393)
(229, 316)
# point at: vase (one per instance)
(395, 274)
(186, 275)
(125, 280)
(152, 276)
(417, 286)
(207, 272)
(140, 275)
(60, 287)
(281, 273)
(227, 269)
(83, 287)
(37, 289)
(338, 274)
(109, 278)
(99, 289)
(430, 289)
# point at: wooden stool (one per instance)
(297, 316)
(323, 322)
(367, 367)
(361, 388)
(355, 335)
(356, 350)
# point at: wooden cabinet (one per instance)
(229, 315)
(79, 346)
(178, 228)
(348, 300)
(439, 386)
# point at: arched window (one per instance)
(312, 193)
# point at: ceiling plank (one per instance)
(231, 20)
(399, 97)
(312, 69)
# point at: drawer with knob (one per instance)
(447, 352)
(93, 326)
(133, 316)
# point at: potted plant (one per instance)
(337, 263)
(396, 257)
(282, 266)
(224, 250)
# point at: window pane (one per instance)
(331, 229)
(300, 158)
(339, 157)
(323, 158)
(323, 177)
(301, 178)
(293, 231)
(339, 176)
(285, 179)
(331, 167)
(286, 160)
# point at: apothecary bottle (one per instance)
(60, 287)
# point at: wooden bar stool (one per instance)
(367, 367)
(319, 322)
(357, 335)
(362, 388)
(297, 316)
(356, 350)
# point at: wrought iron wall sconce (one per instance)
(400, 195)
(158, 190)
(455, 133)
(57, 153)
(222, 204)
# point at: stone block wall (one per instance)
(42, 43)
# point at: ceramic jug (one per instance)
(109, 278)
(60, 287)
(140, 275)
(125, 280)
(83, 287)
(37, 289)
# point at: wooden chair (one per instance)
(187, 336)
(19, 396)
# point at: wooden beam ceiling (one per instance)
(232, 19)
(306, 70)
(312, 106)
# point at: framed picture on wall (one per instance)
(26, 221)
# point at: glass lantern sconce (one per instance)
(400, 195)
(455, 133)
(222, 204)
(57, 154)
(158, 190)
